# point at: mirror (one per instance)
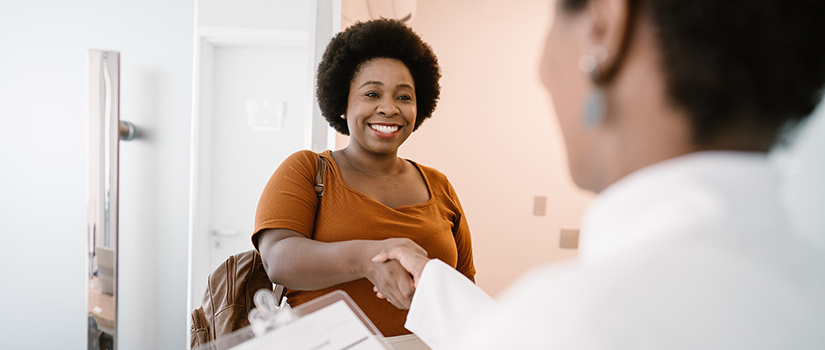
(104, 122)
(105, 131)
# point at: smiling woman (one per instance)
(377, 82)
(381, 106)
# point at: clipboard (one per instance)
(330, 322)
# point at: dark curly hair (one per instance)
(746, 69)
(364, 41)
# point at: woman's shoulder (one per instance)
(435, 176)
(303, 161)
(306, 157)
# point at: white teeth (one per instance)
(386, 129)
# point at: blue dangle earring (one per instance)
(594, 105)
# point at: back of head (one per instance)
(755, 65)
(742, 70)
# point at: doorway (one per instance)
(253, 106)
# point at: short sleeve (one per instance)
(289, 201)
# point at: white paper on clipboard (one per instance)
(331, 322)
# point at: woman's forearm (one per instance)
(296, 262)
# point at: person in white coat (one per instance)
(668, 109)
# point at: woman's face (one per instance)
(381, 107)
(568, 86)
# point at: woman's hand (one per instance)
(410, 256)
(413, 260)
(390, 277)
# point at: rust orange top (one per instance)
(439, 225)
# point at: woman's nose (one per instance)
(388, 107)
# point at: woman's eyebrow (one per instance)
(371, 82)
(374, 82)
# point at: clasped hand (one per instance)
(402, 262)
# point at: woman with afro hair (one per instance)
(377, 82)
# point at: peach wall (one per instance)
(494, 133)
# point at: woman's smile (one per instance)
(383, 130)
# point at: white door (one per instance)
(259, 110)
(255, 105)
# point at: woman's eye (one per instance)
(371, 94)
(405, 97)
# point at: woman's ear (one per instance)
(610, 29)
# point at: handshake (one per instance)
(398, 269)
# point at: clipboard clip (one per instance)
(268, 314)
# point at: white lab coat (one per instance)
(690, 253)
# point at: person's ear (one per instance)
(609, 33)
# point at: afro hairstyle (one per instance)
(382, 38)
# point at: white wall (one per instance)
(43, 160)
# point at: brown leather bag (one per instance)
(229, 297)
(231, 289)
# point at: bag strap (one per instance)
(319, 177)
